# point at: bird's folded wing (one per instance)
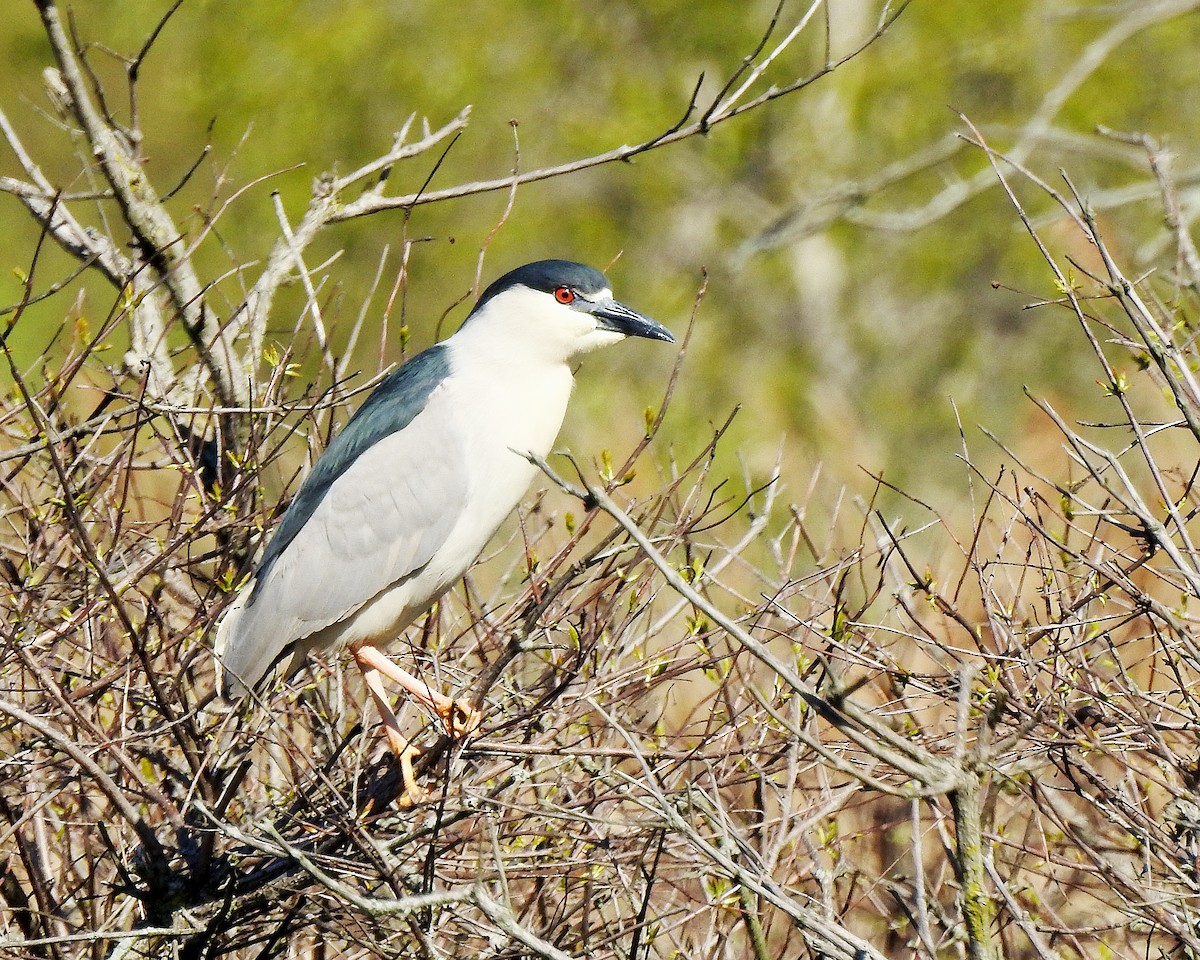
(380, 521)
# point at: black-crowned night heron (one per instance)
(408, 494)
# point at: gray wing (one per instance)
(381, 519)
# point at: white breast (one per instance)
(508, 405)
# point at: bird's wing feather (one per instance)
(390, 408)
(382, 519)
(379, 518)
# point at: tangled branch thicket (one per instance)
(713, 728)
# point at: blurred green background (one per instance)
(850, 330)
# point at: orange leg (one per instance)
(404, 749)
(458, 717)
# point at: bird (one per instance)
(406, 496)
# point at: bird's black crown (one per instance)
(547, 276)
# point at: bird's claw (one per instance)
(459, 717)
(414, 796)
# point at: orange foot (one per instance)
(414, 794)
(459, 717)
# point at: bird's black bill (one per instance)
(619, 318)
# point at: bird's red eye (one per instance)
(564, 295)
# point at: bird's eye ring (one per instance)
(564, 295)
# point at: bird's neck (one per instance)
(517, 397)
